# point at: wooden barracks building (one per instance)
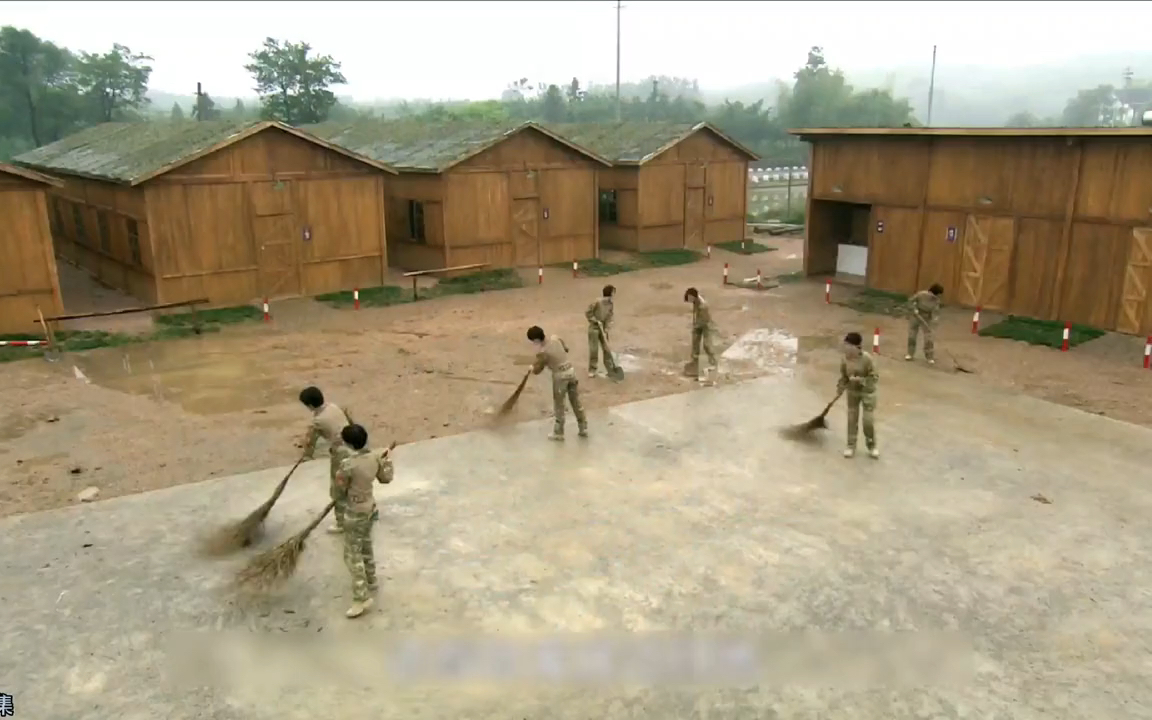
(1053, 223)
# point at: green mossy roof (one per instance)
(127, 151)
(411, 144)
(625, 142)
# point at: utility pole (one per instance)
(199, 102)
(619, 7)
(931, 87)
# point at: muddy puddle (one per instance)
(198, 377)
(767, 350)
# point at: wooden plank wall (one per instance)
(121, 257)
(693, 194)
(526, 201)
(28, 276)
(270, 216)
(1044, 227)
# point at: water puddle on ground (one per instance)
(201, 379)
(767, 350)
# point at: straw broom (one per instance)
(615, 372)
(956, 366)
(511, 401)
(804, 430)
(244, 533)
(278, 564)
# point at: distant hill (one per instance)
(978, 96)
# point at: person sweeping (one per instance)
(328, 419)
(552, 353)
(858, 379)
(358, 471)
(599, 316)
(703, 332)
(924, 311)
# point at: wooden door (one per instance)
(986, 262)
(1135, 317)
(526, 231)
(893, 246)
(693, 217)
(278, 246)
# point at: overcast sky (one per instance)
(474, 49)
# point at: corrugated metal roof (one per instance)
(133, 152)
(634, 143)
(27, 174)
(423, 146)
(975, 132)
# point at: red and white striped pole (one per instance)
(22, 343)
(1067, 335)
(976, 321)
(758, 276)
(356, 298)
(575, 269)
(267, 315)
(828, 293)
(744, 246)
(876, 341)
(1148, 353)
(708, 252)
(540, 275)
(725, 273)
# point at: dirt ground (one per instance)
(143, 417)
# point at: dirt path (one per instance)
(143, 417)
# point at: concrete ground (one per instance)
(1019, 528)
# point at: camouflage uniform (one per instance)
(599, 316)
(358, 470)
(554, 356)
(926, 305)
(861, 393)
(327, 422)
(703, 330)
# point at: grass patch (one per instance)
(483, 281)
(593, 267)
(1040, 332)
(382, 296)
(877, 302)
(215, 316)
(791, 277)
(748, 247)
(167, 327)
(599, 268)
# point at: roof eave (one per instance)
(30, 174)
(71, 173)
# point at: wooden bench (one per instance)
(415, 274)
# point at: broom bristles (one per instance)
(511, 401)
(239, 535)
(278, 564)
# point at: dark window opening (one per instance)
(609, 212)
(133, 240)
(78, 218)
(416, 221)
(105, 234)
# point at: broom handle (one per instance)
(834, 401)
(319, 519)
(284, 483)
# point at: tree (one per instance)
(115, 84)
(552, 108)
(205, 108)
(38, 94)
(238, 111)
(1092, 108)
(293, 85)
(575, 94)
(177, 112)
(1022, 119)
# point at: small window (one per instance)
(78, 218)
(133, 240)
(608, 207)
(416, 221)
(105, 234)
